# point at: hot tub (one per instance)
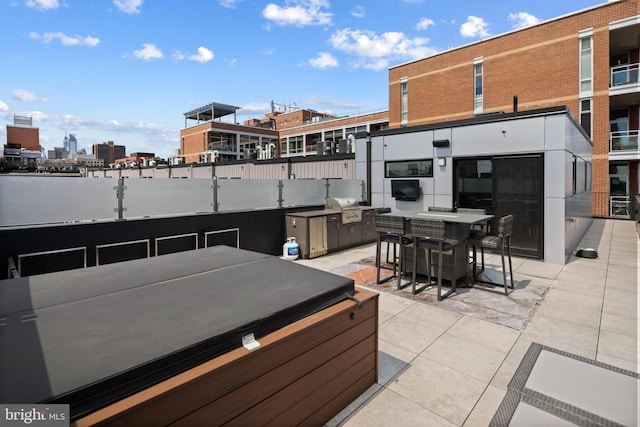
(93, 336)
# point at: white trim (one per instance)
(587, 32)
(625, 22)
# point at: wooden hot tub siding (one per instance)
(302, 374)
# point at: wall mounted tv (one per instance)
(405, 189)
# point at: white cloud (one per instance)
(324, 60)
(301, 13)
(178, 56)
(65, 40)
(3, 107)
(26, 96)
(229, 4)
(131, 7)
(358, 11)
(148, 52)
(204, 55)
(42, 5)
(474, 27)
(424, 23)
(374, 51)
(523, 19)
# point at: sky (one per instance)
(127, 70)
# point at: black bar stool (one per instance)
(430, 235)
(502, 241)
(390, 229)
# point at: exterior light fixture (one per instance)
(440, 143)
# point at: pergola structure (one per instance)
(210, 112)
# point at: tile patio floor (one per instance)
(449, 363)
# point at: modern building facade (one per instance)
(587, 60)
(70, 143)
(535, 165)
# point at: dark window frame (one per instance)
(415, 168)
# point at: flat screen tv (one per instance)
(405, 189)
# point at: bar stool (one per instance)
(390, 229)
(498, 241)
(477, 232)
(430, 235)
(383, 211)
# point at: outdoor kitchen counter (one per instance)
(323, 231)
(316, 213)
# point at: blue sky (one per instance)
(128, 70)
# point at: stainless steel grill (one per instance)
(349, 207)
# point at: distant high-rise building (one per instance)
(58, 153)
(108, 152)
(70, 143)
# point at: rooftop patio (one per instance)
(451, 362)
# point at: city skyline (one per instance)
(127, 70)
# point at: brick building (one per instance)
(284, 132)
(587, 60)
(23, 143)
(108, 152)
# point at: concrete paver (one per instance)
(450, 362)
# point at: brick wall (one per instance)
(540, 65)
(27, 137)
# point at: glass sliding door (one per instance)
(474, 183)
(518, 191)
(506, 185)
(619, 200)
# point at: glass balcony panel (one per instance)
(624, 74)
(35, 200)
(623, 141)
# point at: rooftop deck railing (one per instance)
(624, 74)
(32, 200)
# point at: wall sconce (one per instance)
(345, 165)
(440, 143)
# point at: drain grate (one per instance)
(587, 253)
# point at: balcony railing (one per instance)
(606, 205)
(619, 206)
(624, 74)
(623, 141)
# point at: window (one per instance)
(333, 135)
(248, 144)
(586, 61)
(477, 84)
(416, 168)
(585, 115)
(355, 130)
(296, 144)
(404, 102)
